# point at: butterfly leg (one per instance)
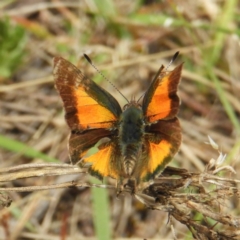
(130, 186)
(119, 186)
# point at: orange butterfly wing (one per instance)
(160, 107)
(105, 163)
(161, 100)
(80, 143)
(162, 143)
(91, 113)
(87, 105)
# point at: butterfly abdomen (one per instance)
(131, 129)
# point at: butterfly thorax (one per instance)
(131, 129)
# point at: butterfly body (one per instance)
(142, 138)
(131, 131)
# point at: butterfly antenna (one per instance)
(90, 61)
(172, 60)
(140, 98)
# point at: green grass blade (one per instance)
(105, 7)
(224, 20)
(213, 56)
(18, 147)
(226, 104)
(101, 212)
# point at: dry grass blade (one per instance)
(19, 172)
(171, 193)
(210, 199)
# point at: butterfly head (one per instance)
(132, 103)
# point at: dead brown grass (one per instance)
(195, 198)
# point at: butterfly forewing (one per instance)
(86, 104)
(161, 100)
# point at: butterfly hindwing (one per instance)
(80, 143)
(162, 143)
(106, 162)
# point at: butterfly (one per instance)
(142, 138)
